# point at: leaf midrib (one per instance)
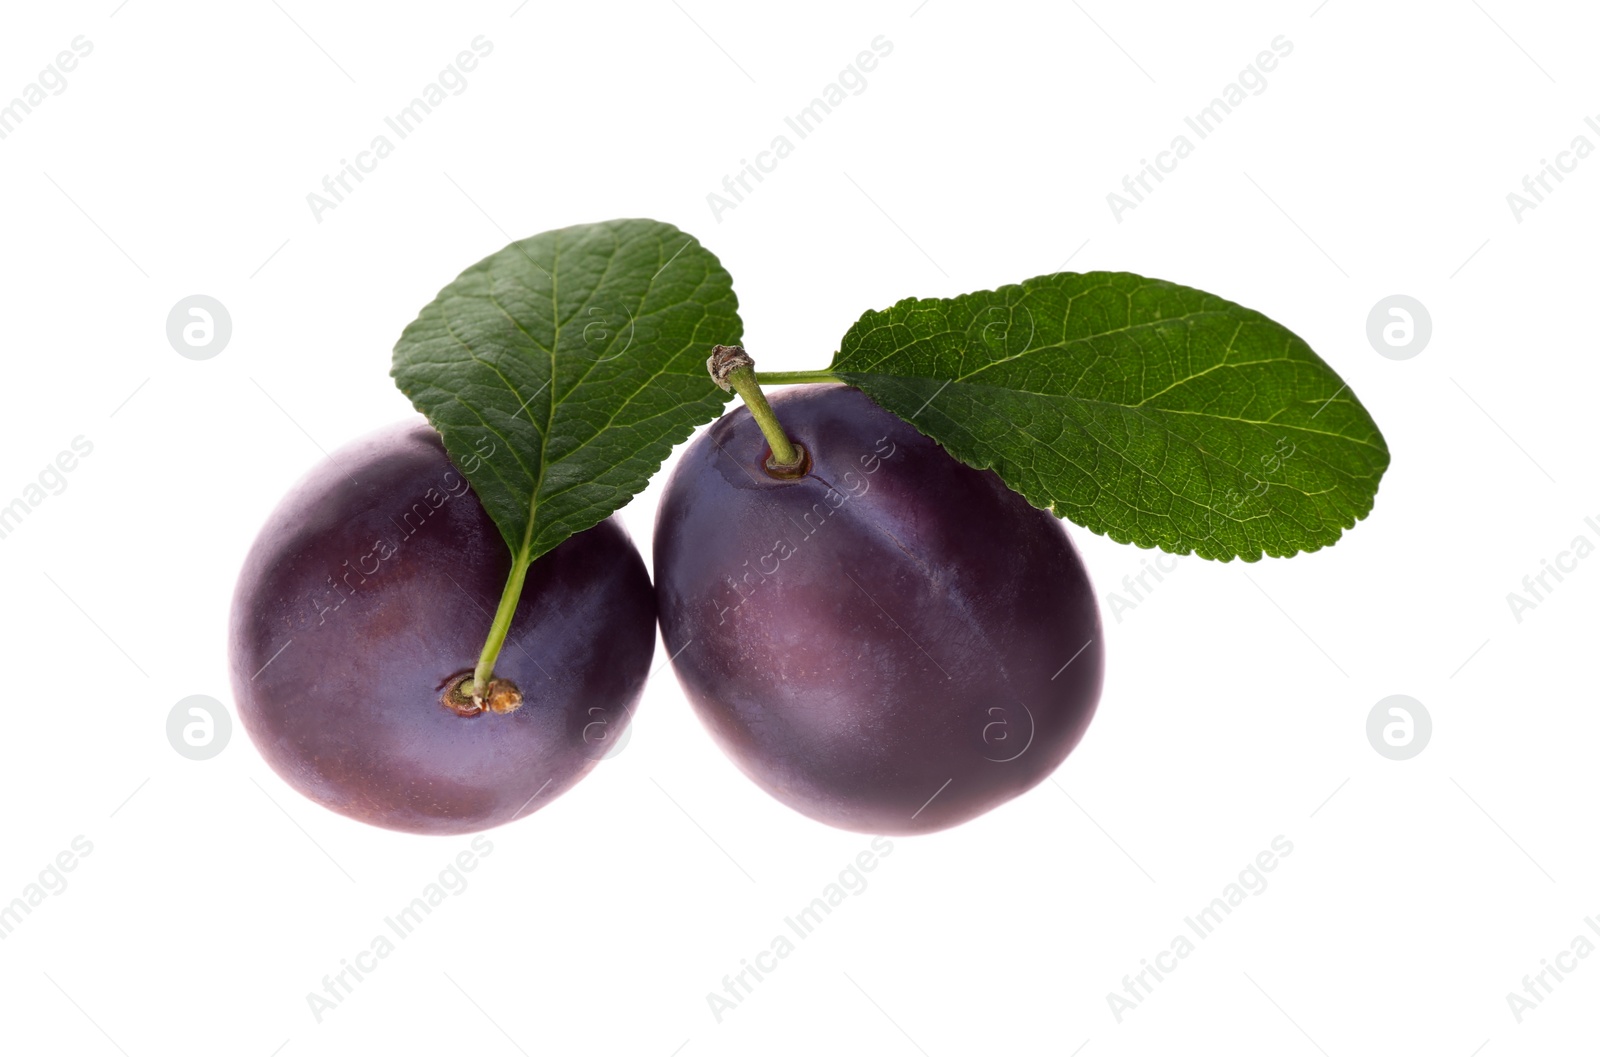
(1138, 408)
(544, 434)
(1064, 343)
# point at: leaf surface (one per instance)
(562, 370)
(1149, 412)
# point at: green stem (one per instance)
(732, 368)
(795, 377)
(501, 626)
(784, 454)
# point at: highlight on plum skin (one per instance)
(892, 643)
(369, 592)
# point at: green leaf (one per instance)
(562, 370)
(1151, 413)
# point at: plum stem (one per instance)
(732, 368)
(484, 673)
(796, 377)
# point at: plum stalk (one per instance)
(797, 377)
(732, 368)
(484, 685)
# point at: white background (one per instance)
(1377, 161)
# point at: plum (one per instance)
(888, 640)
(363, 605)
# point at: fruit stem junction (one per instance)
(502, 696)
(732, 368)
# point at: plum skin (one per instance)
(360, 599)
(893, 643)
